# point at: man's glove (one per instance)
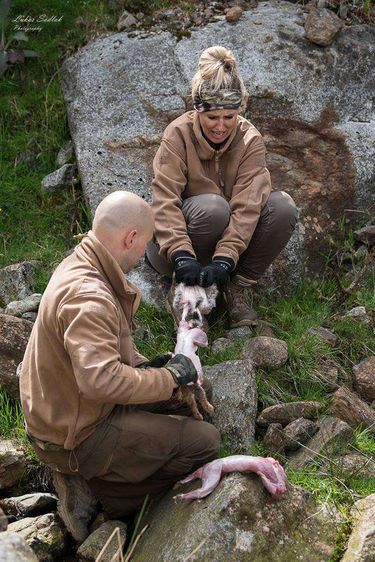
(182, 369)
(217, 272)
(187, 269)
(158, 361)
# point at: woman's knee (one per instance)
(207, 208)
(283, 208)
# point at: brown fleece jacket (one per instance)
(186, 165)
(80, 360)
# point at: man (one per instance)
(91, 401)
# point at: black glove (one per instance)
(187, 269)
(158, 361)
(217, 272)
(182, 369)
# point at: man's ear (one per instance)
(129, 238)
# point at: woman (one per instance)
(216, 218)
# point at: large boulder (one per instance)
(14, 335)
(313, 106)
(235, 402)
(240, 521)
(348, 406)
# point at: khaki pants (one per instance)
(207, 216)
(136, 451)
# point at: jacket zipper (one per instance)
(218, 170)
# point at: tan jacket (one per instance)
(80, 360)
(186, 165)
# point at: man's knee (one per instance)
(201, 441)
(283, 208)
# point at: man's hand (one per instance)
(187, 269)
(217, 272)
(158, 361)
(182, 369)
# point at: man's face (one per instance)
(217, 125)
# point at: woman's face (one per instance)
(218, 124)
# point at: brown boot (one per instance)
(239, 302)
(77, 505)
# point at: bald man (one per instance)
(96, 410)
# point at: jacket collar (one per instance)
(100, 258)
(204, 149)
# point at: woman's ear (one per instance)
(130, 238)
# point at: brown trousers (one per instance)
(207, 216)
(137, 450)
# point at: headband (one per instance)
(219, 99)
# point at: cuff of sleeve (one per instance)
(226, 253)
(178, 248)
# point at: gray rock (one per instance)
(154, 287)
(126, 21)
(29, 504)
(361, 545)
(332, 437)
(356, 465)
(234, 14)
(28, 304)
(91, 547)
(349, 407)
(298, 432)
(14, 335)
(220, 345)
(364, 377)
(264, 351)
(3, 522)
(366, 234)
(12, 463)
(65, 154)
(360, 313)
(239, 522)
(329, 372)
(44, 534)
(117, 117)
(274, 439)
(14, 548)
(17, 281)
(30, 316)
(235, 402)
(288, 412)
(59, 179)
(325, 334)
(322, 26)
(361, 254)
(235, 333)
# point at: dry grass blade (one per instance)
(194, 551)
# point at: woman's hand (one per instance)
(217, 272)
(187, 269)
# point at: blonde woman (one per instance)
(217, 219)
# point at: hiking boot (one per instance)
(239, 296)
(76, 506)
